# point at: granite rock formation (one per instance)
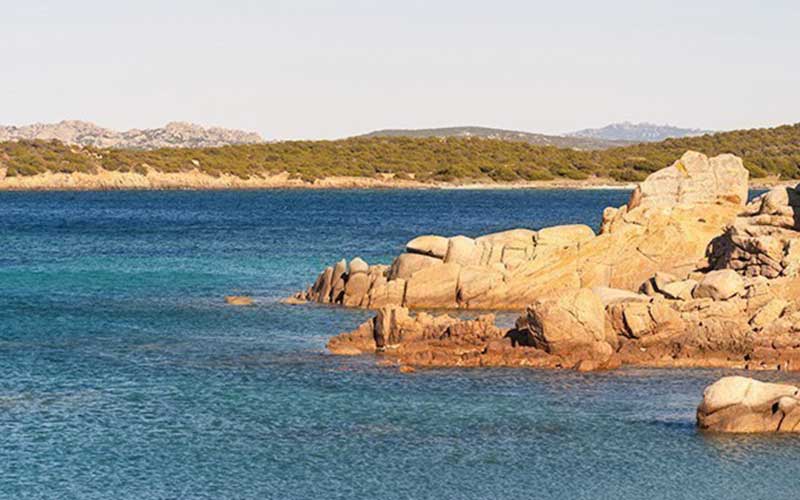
(666, 227)
(765, 239)
(744, 405)
(757, 328)
(670, 281)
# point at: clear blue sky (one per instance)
(325, 69)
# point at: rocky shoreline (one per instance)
(683, 275)
(686, 274)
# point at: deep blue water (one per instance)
(123, 375)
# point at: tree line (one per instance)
(769, 151)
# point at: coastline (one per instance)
(686, 274)
(107, 180)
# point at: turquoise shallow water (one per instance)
(122, 374)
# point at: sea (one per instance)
(124, 375)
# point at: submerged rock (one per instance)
(238, 300)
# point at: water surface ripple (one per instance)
(122, 375)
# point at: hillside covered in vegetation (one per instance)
(559, 141)
(774, 151)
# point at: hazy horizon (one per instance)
(319, 69)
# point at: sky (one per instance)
(315, 69)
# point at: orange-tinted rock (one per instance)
(238, 300)
(433, 287)
(355, 289)
(407, 264)
(695, 179)
(430, 245)
(664, 232)
(575, 320)
(391, 293)
(463, 251)
(743, 405)
(720, 285)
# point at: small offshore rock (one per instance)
(293, 301)
(744, 405)
(238, 300)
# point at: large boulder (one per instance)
(779, 200)
(409, 263)
(769, 313)
(639, 320)
(431, 245)
(391, 324)
(679, 290)
(433, 287)
(720, 285)
(321, 290)
(739, 404)
(355, 289)
(389, 293)
(338, 281)
(573, 321)
(358, 265)
(463, 251)
(694, 179)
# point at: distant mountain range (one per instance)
(189, 135)
(637, 132)
(616, 134)
(172, 135)
(583, 143)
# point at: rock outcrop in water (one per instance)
(666, 227)
(683, 275)
(739, 404)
